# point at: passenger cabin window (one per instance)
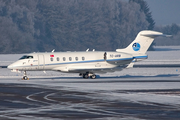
(83, 58)
(57, 58)
(51, 59)
(70, 58)
(76, 58)
(64, 59)
(26, 57)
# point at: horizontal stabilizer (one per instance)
(156, 35)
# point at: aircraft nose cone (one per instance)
(10, 66)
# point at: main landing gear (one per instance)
(25, 76)
(87, 75)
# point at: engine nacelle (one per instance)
(118, 58)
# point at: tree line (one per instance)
(70, 25)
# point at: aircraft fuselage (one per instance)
(76, 62)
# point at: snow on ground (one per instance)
(163, 55)
(112, 88)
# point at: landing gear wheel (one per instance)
(25, 78)
(93, 77)
(85, 76)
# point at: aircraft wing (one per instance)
(88, 69)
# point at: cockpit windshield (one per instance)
(26, 57)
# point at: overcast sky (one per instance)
(165, 12)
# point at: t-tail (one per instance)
(141, 44)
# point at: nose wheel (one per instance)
(25, 76)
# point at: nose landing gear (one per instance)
(25, 76)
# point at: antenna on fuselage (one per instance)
(87, 50)
(53, 50)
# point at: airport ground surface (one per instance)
(137, 93)
(108, 97)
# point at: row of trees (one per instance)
(43, 25)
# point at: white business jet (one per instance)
(88, 63)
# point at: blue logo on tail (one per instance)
(136, 46)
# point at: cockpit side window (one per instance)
(29, 57)
(23, 57)
(26, 57)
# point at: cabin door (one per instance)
(40, 62)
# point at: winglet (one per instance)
(87, 50)
(53, 50)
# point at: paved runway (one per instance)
(108, 97)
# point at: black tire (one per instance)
(85, 76)
(25, 78)
(93, 77)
